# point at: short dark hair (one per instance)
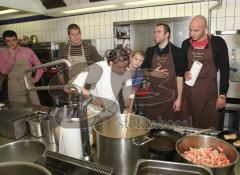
(9, 33)
(165, 26)
(73, 26)
(117, 54)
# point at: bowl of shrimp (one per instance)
(208, 151)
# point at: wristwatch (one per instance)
(222, 96)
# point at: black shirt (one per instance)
(221, 60)
(179, 58)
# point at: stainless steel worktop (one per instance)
(54, 147)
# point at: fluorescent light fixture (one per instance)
(143, 2)
(227, 32)
(89, 9)
(8, 11)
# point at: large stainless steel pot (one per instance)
(117, 149)
(197, 141)
(22, 168)
(24, 150)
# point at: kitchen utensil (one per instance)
(35, 123)
(24, 150)
(231, 141)
(25, 40)
(33, 39)
(197, 141)
(164, 142)
(122, 153)
(153, 167)
(222, 133)
(48, 130)
(13, 124)
(203, 131)
(25, 168)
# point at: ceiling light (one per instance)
(143, 2)
(227, 32)
(89, 9)
(8, 11)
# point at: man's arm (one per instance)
(177, 103)
(35, 61)
(222, 55)
(95, 56)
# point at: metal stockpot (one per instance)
(119, 148)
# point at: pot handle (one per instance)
(142, 142)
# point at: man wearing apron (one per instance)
(15, 60)
(167, 64)
(202, 101)
(106, 80)
(79, 54)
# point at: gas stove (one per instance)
(59, 164)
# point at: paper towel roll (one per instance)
(195, 70)
(70, 142)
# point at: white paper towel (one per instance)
(195, 69)
(70, 142)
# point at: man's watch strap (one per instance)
(222, 96)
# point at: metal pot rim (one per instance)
(137, 136)
(25, 141)
(45, 170)
(220, 140)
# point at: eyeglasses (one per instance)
(120, 54)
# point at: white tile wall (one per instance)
(99, 26)
(173, 10)
(158, 12)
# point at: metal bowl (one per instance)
(18, 168)
(197, 141)
(24, 150)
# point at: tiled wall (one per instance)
(99, 26)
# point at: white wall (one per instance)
(99, 26)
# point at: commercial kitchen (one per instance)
(67, 132)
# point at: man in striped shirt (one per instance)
(77, 51)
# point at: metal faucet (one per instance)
(79, 103)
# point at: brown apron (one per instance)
(160, 107)
(78, 63)
(16, 88)
(200, 99)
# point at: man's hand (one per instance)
(188, 75)
(177, 105)
(160, 73)
(220, 103)
(97, 101)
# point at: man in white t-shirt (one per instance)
(105, 80)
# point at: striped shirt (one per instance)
(90, 52)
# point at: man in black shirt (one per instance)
(203, 99)
(164, 64)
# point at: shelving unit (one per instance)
(122, 36)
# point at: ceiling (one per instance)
(55, 8)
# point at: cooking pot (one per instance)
(198, 141)
(24, 150)
(25, 168)
(120, 148)
(33, 39)
(163, 145)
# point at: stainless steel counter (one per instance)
(54, 147)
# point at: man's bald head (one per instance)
(198, 28)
